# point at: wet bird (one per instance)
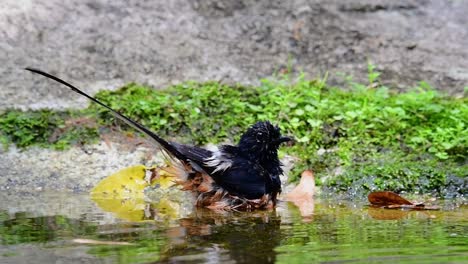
(241, 177)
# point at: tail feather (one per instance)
(166, 145)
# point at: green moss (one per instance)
(411, 141)
(195, 113)
(45, 128)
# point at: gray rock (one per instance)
(73, 170)
(104, 44)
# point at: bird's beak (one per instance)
(288, 140)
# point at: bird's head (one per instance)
(262, 140)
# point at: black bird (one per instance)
(242, 177)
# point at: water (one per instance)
(46, 228)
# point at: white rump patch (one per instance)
(219, 161)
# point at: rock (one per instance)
(104, 44)
(36, 169)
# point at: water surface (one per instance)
(47, 228)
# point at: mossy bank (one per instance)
(355, 138)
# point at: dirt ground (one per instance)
(103, 44)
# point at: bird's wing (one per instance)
(244, 179)
(195, 154)
(236, 175)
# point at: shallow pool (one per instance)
(70, 228)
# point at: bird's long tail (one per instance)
(163, 143)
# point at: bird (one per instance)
(242, 177)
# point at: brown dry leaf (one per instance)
(303, 194)
(387, 198)
(391, 200)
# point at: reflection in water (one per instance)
(204, 235)
(20, 228)
(386, 214)
(338, 232)
(241, 237)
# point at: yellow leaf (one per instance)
(128, 209)
(167, 209)
(127, 183)
(165, 179)
(122, 193)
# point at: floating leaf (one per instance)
(127, 183)
(386, 198)
(167, 208)
(391, 200)
(122, 193)
(130, 209)
(131, 182)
